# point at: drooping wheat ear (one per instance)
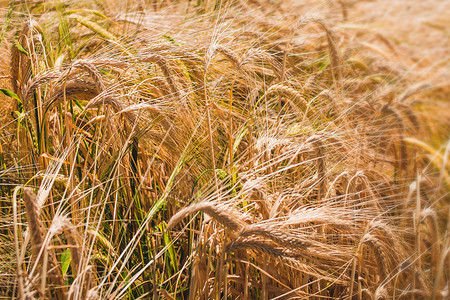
(297, 99)
(73, 89)
(255, 245)
(328, 216)
(278, 236)
(225, 215)
(384, 232)
(37, 81)
(59, 223)
(381, 293)
(163, 64)
(387, 42)
(331, 40)
(281, 254)
(330, 100)
(56, 228)
(410, 114)
(93, 73)
(379, 251)
(142, 106)
(192, 61)
(37, 237)
(117, 105)
(431, 221)
(108, 62)
(35, 226)
(182, 54)
(415, 89)
(255, 53)
(230, 55)
(388, 110)
(16, 57)
(316, 141)
(161, 86)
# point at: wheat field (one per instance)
(225, 149)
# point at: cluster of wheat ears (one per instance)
(216, 149)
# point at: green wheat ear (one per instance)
(93, 26)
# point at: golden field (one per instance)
(225, 149)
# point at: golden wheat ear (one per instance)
(35, 225)
(331, 40)
(43, 257)
(228, 217)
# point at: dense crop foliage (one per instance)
(224, 149)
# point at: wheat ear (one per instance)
(331, 40)
(228, 217)
(278, 236)
(37, 233)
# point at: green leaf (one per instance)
(170, 39)
(10, 94)
(239, 138)
(221, 174)
(168, 243)
(13, 95)
(66, 259)
(324, 64)
(20, 47)
(78, 104)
